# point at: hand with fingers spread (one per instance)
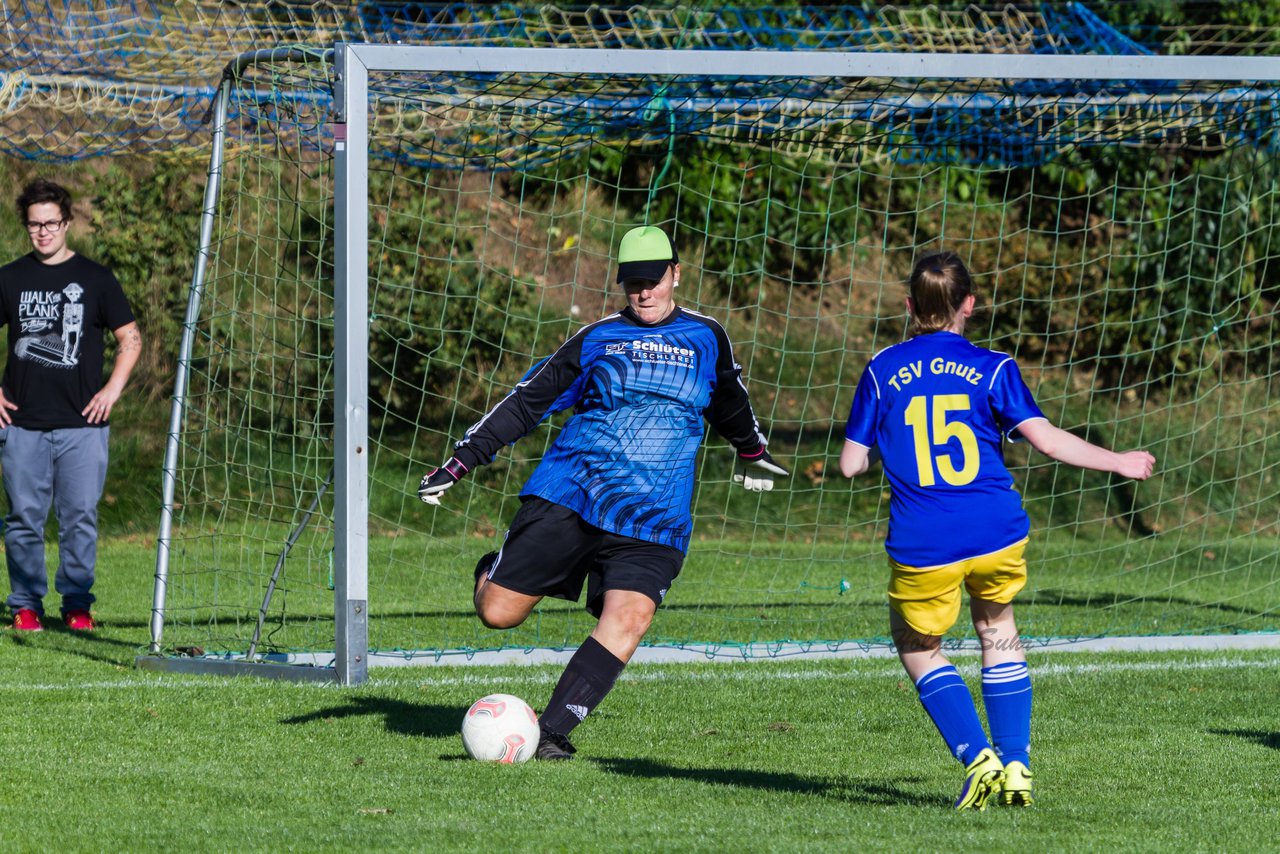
(755, 470)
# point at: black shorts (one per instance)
(551, 550)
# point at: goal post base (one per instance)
(221, 666)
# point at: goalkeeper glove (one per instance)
(436, 481)
(755, 470)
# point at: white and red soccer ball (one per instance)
(500, 728)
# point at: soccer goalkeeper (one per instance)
(609, 503)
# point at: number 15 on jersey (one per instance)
(932, 431)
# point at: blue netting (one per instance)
(80, 81)
(1083, 32)
(454, 123)
(144, 39)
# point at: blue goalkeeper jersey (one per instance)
(937, 408)
(624, 461)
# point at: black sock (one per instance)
(586, 680)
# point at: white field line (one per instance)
(783, 651)
(646, 673)
(663, 654)
(881, 671)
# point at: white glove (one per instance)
(756, 470)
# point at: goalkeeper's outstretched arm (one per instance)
(550, 386)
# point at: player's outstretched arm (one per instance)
(550, 386)
(1058, 444)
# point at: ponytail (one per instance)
(938, 286)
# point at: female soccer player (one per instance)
(609, 503)
(935, 408)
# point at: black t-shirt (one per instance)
(56, 315)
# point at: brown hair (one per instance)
(40, 192)
(938, 286)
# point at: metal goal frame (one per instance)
(353, 64)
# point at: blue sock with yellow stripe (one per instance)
(950, 705)
(1006, 692)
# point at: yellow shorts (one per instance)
(928, 599)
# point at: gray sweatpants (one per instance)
(65, 469)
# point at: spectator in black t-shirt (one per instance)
(54, 406)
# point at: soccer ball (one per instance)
(500, 728)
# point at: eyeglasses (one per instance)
(53, 226)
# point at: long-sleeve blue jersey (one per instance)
(624, 461)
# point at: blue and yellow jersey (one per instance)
(937, 408)
(625, 460)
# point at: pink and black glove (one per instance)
(436, 481)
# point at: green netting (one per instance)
(1130, 265)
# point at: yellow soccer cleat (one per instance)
(982, 779)
(1015, 791)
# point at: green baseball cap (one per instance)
(645, 253)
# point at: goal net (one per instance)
(1123, 233)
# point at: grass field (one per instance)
(1168, 752)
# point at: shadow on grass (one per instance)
(399, 716)
(95, 646)
(1266, 739)
(1048, 597)
(865, 791)
(1065, 599)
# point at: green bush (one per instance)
(146, 223)
(440, 321)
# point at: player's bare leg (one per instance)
(998, 632)
(1006, 690)
(919, 653)
(624, 621)
(501, 608)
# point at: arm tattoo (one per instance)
(131, 341)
